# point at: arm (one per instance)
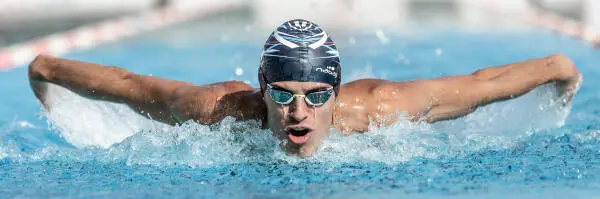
(452, 97)
(160, 99)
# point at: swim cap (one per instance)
(300, 50)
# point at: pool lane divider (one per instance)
(559, 24)
(566, 26)
(111, 30)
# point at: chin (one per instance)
(305, 149)
(300, 150)
(300, 140)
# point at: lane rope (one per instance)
(111, 30)
(559, 24)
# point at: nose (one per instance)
(299, 109)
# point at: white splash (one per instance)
(137, 140)
(84, 122)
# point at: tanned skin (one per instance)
(446, 98)
(428, 100)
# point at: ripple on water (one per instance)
(475, 154)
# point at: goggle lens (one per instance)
(313, 98)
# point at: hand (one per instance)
(569, 78)
(38, 79)
(568, 88)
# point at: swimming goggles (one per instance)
(315, 98)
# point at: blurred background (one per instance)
(23, 20)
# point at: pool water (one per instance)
(524, 148)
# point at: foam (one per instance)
(84, 122)
(497, 126)
(112, 132)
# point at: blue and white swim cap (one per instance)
(300, 50)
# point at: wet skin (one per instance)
(301, 125)
(426, 100)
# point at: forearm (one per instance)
(453, 97)
(516, 79)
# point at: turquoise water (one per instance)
(525, 148)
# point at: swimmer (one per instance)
(300, 95)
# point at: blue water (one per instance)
(525, 148)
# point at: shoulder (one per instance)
(388, 97)
(382, 89)
(361, 86)
(208, 91)
(199, 102)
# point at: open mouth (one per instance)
(299, 135)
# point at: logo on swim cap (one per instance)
(307, 34)
(327, 70)
(299, 50)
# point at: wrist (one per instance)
(39, 69)
(564, 68)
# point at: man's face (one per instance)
(300, 125)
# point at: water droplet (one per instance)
(438, 51)
(239, 71)
(25, 124)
